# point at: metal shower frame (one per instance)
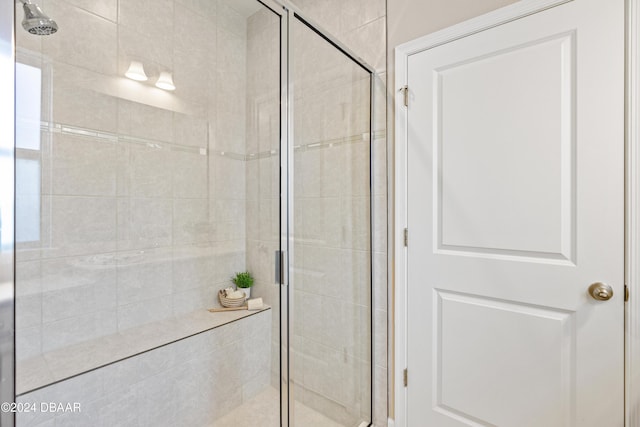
(288, 13)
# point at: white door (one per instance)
(515, 205)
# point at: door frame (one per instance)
(632, 214)
(632, 185)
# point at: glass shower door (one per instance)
(330, 261)
(136, 202)
(264, 118)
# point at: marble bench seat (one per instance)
(74, 360)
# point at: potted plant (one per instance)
(244, 282)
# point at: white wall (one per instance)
(410, 19)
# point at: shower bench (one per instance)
(225, 356)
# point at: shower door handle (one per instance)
(279, 263)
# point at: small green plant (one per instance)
(243, 280)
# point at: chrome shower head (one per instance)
(35, 21)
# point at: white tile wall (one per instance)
(86, 40)
(129, 182)
(137, 229)
(75, 100)
(152, 17)
(83, 166)
(108, 9)
(144, 171)
(144, 121)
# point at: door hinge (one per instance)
(405, 93)
(626, 293)
(406, 237)
(406, 377)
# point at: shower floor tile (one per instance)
(264, 411)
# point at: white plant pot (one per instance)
(247, 292)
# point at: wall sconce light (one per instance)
(136, 72)
(165, 81)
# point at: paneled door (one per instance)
(515, 207)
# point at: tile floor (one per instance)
(263, 411)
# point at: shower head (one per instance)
(35, 21)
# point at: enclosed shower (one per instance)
(161, 148)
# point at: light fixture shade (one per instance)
(136, 72)
(165, 81)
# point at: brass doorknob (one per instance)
(600, 291)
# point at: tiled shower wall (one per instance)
(141, 216)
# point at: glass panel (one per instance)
(147, 176)
(331, 344)
(7, 205)
(263, 198)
